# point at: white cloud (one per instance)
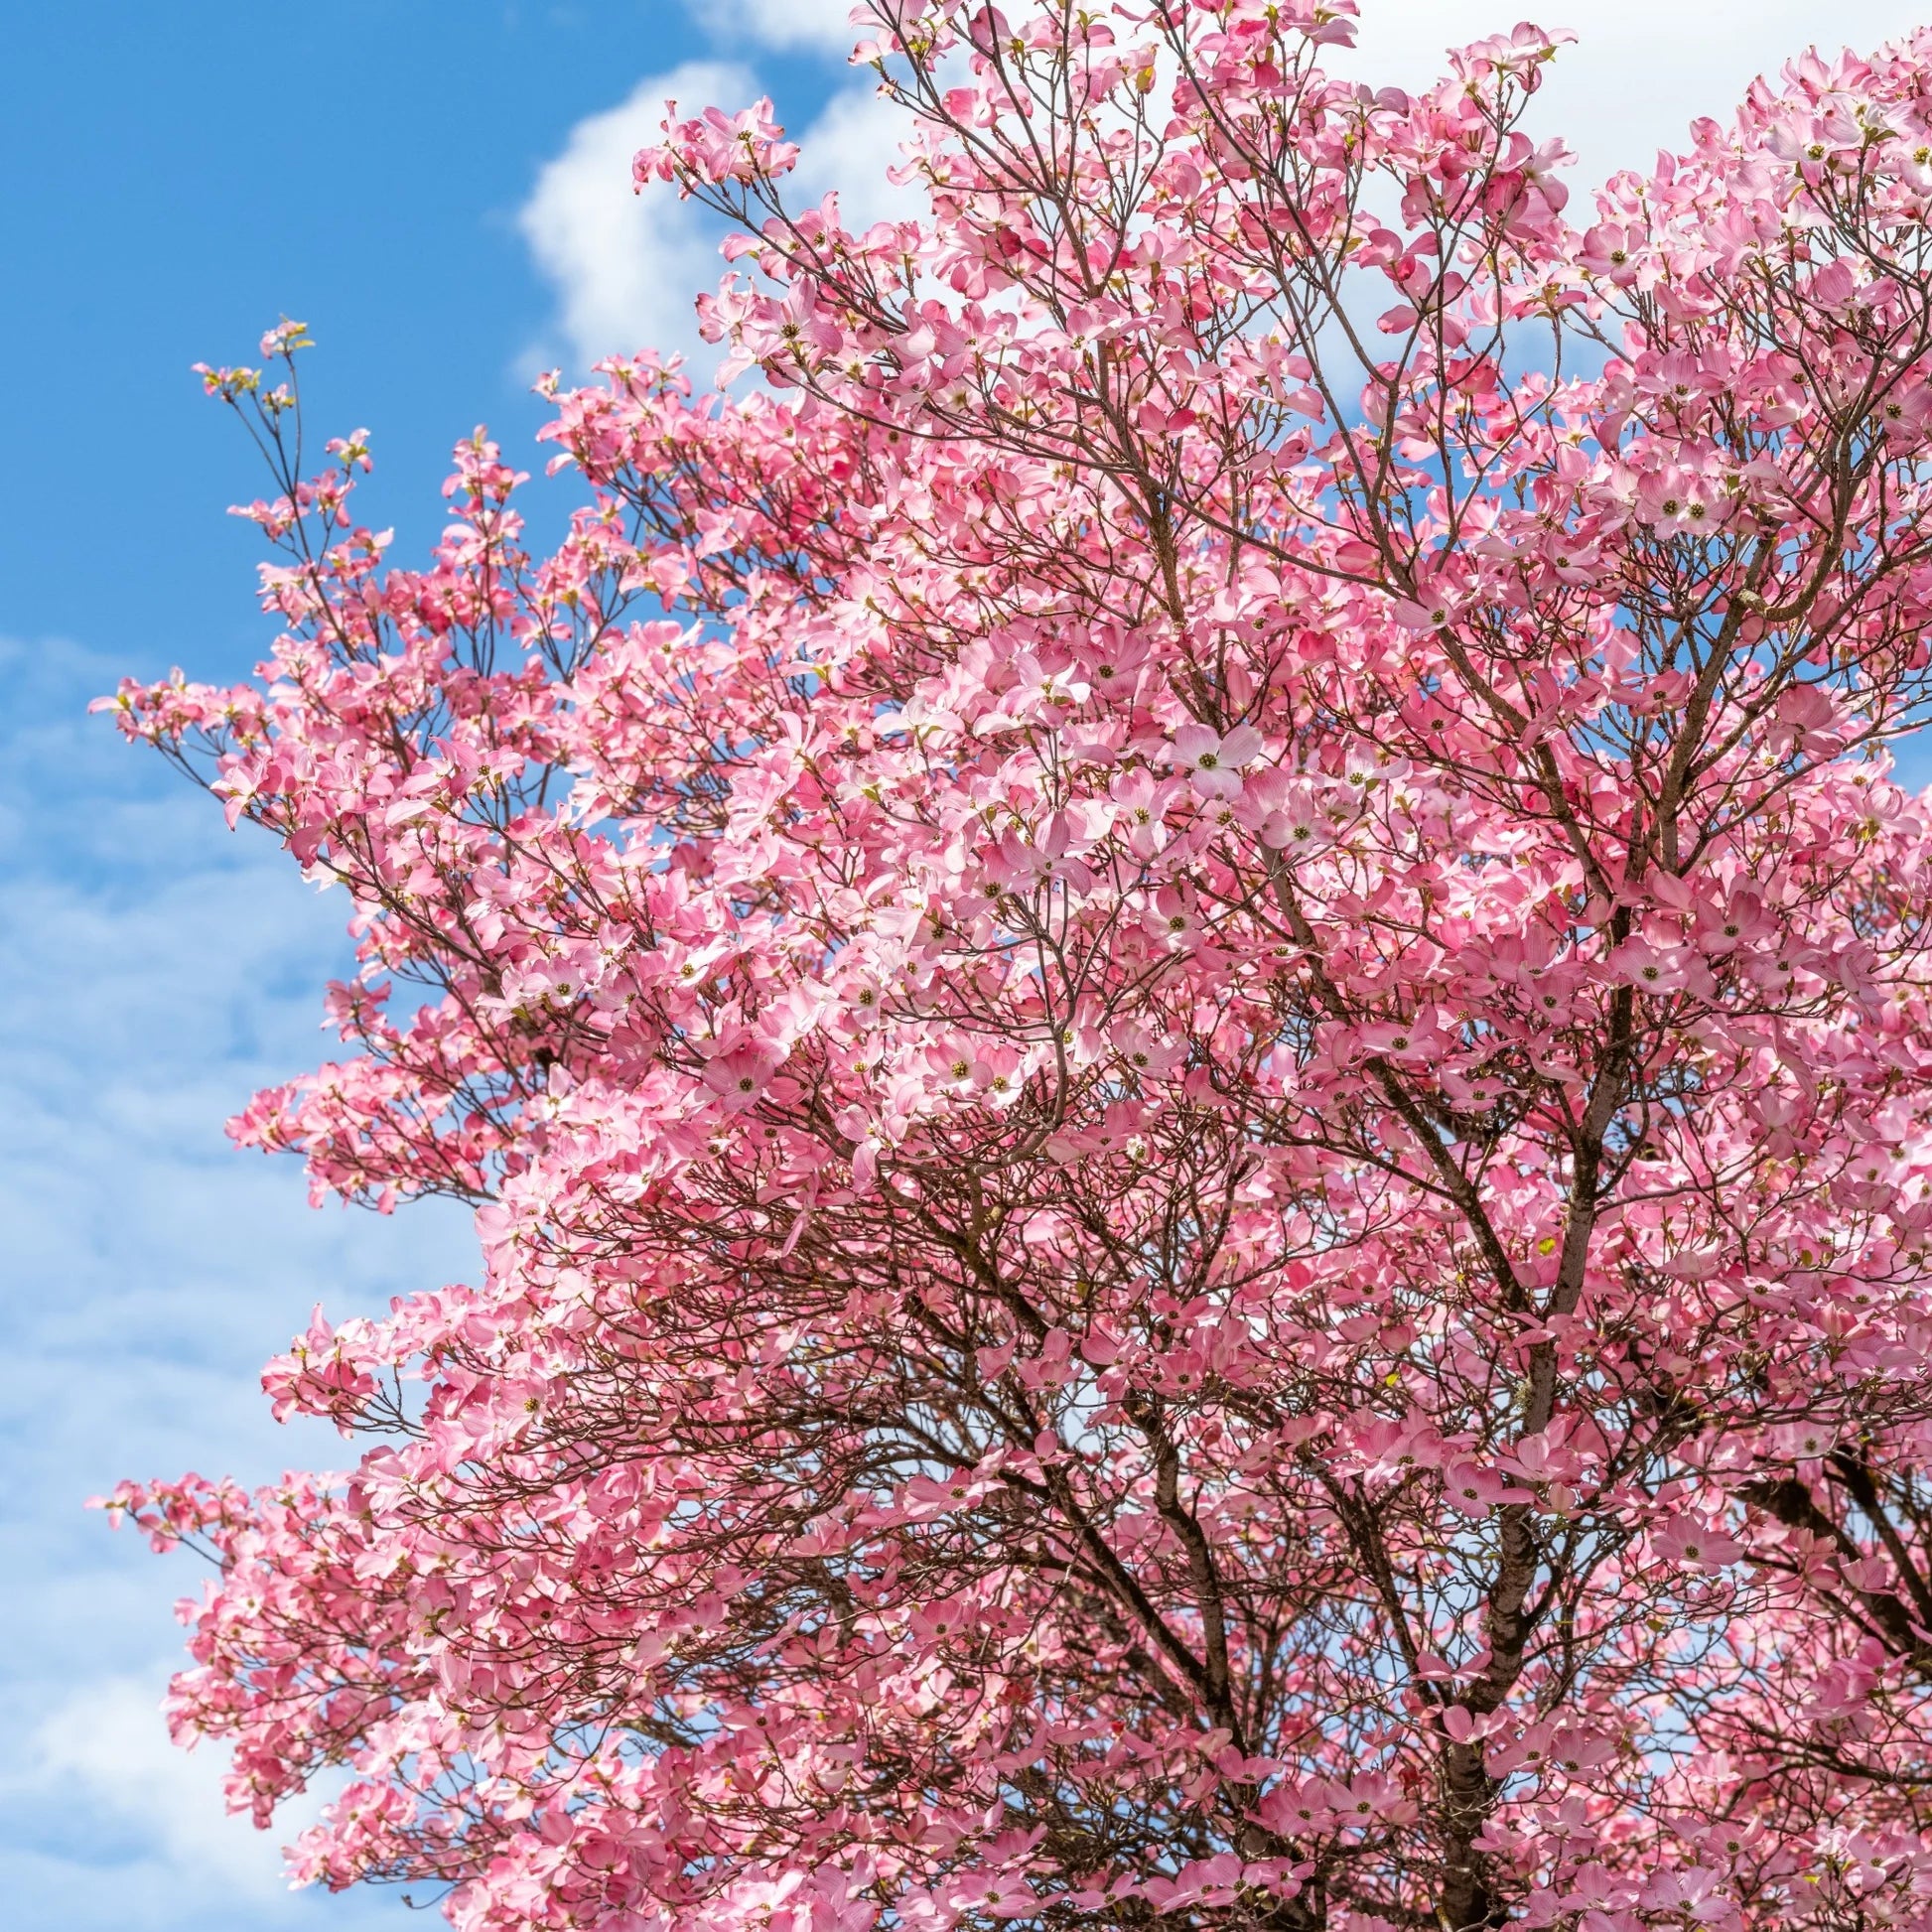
(627, 267)
(108, 1739)
(156, 971)
(822, 26)
(850, 147)
(1641, 69)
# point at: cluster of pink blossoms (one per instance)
(1190, 1017)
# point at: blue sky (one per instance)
(439, 189)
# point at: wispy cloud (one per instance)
(156, 971)
(105, 1742)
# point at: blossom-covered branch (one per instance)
(1187, 1003)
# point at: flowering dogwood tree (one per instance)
(1189, 1015)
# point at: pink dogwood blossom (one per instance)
(1192, 1042)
